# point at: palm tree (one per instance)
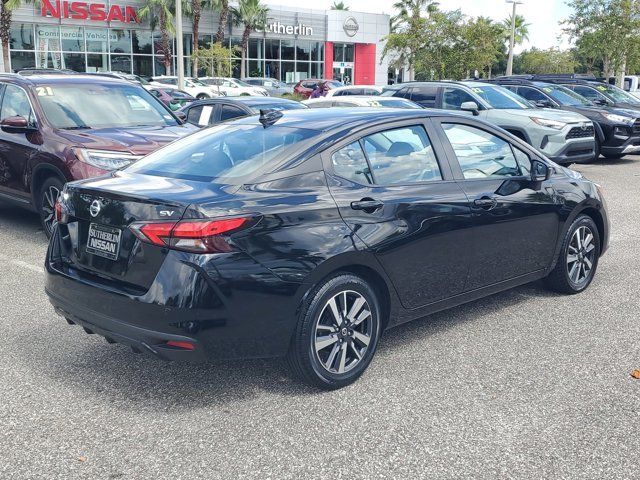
(411, 9)
(6, 11)
(196, 13)
(160, 14)
(339, 6)
(253, 16)
(522, 29)
(223, 7)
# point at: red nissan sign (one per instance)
(96, 12)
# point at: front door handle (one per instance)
(486, 203)
(368, 205)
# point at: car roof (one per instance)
(325, 119)
(65, 79)
(244, 100)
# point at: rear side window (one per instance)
(230, 111)
(15, 103)
(200, 115)
(480, 153)
(349, 162)
(225, 153)
(425, 96)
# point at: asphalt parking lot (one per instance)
(524, 384)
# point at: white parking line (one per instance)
(22, 264)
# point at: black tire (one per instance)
(46, 199)
(315, 326)
(202, 96)
(597, 149)
(564, 278)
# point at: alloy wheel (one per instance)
(49, 198)
(581, 255)
(343, 332)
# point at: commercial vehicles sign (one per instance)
(95, 12)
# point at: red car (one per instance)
(306, 86)
(59, 128)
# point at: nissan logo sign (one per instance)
(350, 26)
(95, 207)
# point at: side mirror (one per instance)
(16, 125)
(470, 107)
(540, 171)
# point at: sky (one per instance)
(543, 15)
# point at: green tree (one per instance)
(485, 44)
(252, 15)
(160, 15)
(339, 6)
(522, 29)
(222, 6)
(215, 60)
(6, 12)
(552, 60)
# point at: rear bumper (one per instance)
(226, 306)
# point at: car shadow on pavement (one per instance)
(89, 365)
(16, 218)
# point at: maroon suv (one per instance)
(59, 128)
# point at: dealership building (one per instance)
(296, 43)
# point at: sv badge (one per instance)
(167, 213)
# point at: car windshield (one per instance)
(240, 83)
(93, 105)
(277, 106)
(501, 98)
(226, 153)
(197, 82)
(564, 96)
(617, 94)
(178, 94)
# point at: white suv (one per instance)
(192, 86)
(232, 87)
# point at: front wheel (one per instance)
(337, 333)
(578, 259)
(47, 197)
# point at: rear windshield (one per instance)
(226, 153)
(256, 107)
(77, 106)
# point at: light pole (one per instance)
(179, 53)
(512, 40)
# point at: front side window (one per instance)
(501, 98)
(402, 155)
(229, 112)
(15, 103)
(76, 105)
(589, 93)
(531, 94)
(565, 96)
(480, 153)
(453, 98)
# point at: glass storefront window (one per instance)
(73, 61)
(143, 66)
(272, 49)
(287, 50)
(302, 70)
(157, 44)
(48, 59)
(72, 39)
(97, 39)
(288, 72)
(272, 69)
(256, 48)
(348, 52)
(236, 46)
(120, 41)
(97, 63)
(47, 38)
(121, 63)
(316, 70)
(187, 44)
(205, 41)
(141, 41)
(235, 69)
(255, 68)
(22, 36)
(22, 60)
(303, 50)
(317, 51)
(160, 67)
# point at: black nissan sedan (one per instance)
(307, 233)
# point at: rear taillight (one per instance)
(198, 236)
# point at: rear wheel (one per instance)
(202, 96)
(47, 197)
(337, 333)
(578, 259)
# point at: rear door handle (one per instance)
(485, 202)
(368, 205)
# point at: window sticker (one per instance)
(547, 89)
(44, 91)
(136, 103)
(476, 90)
(602, 88)
(205, 115)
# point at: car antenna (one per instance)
(268, 117)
